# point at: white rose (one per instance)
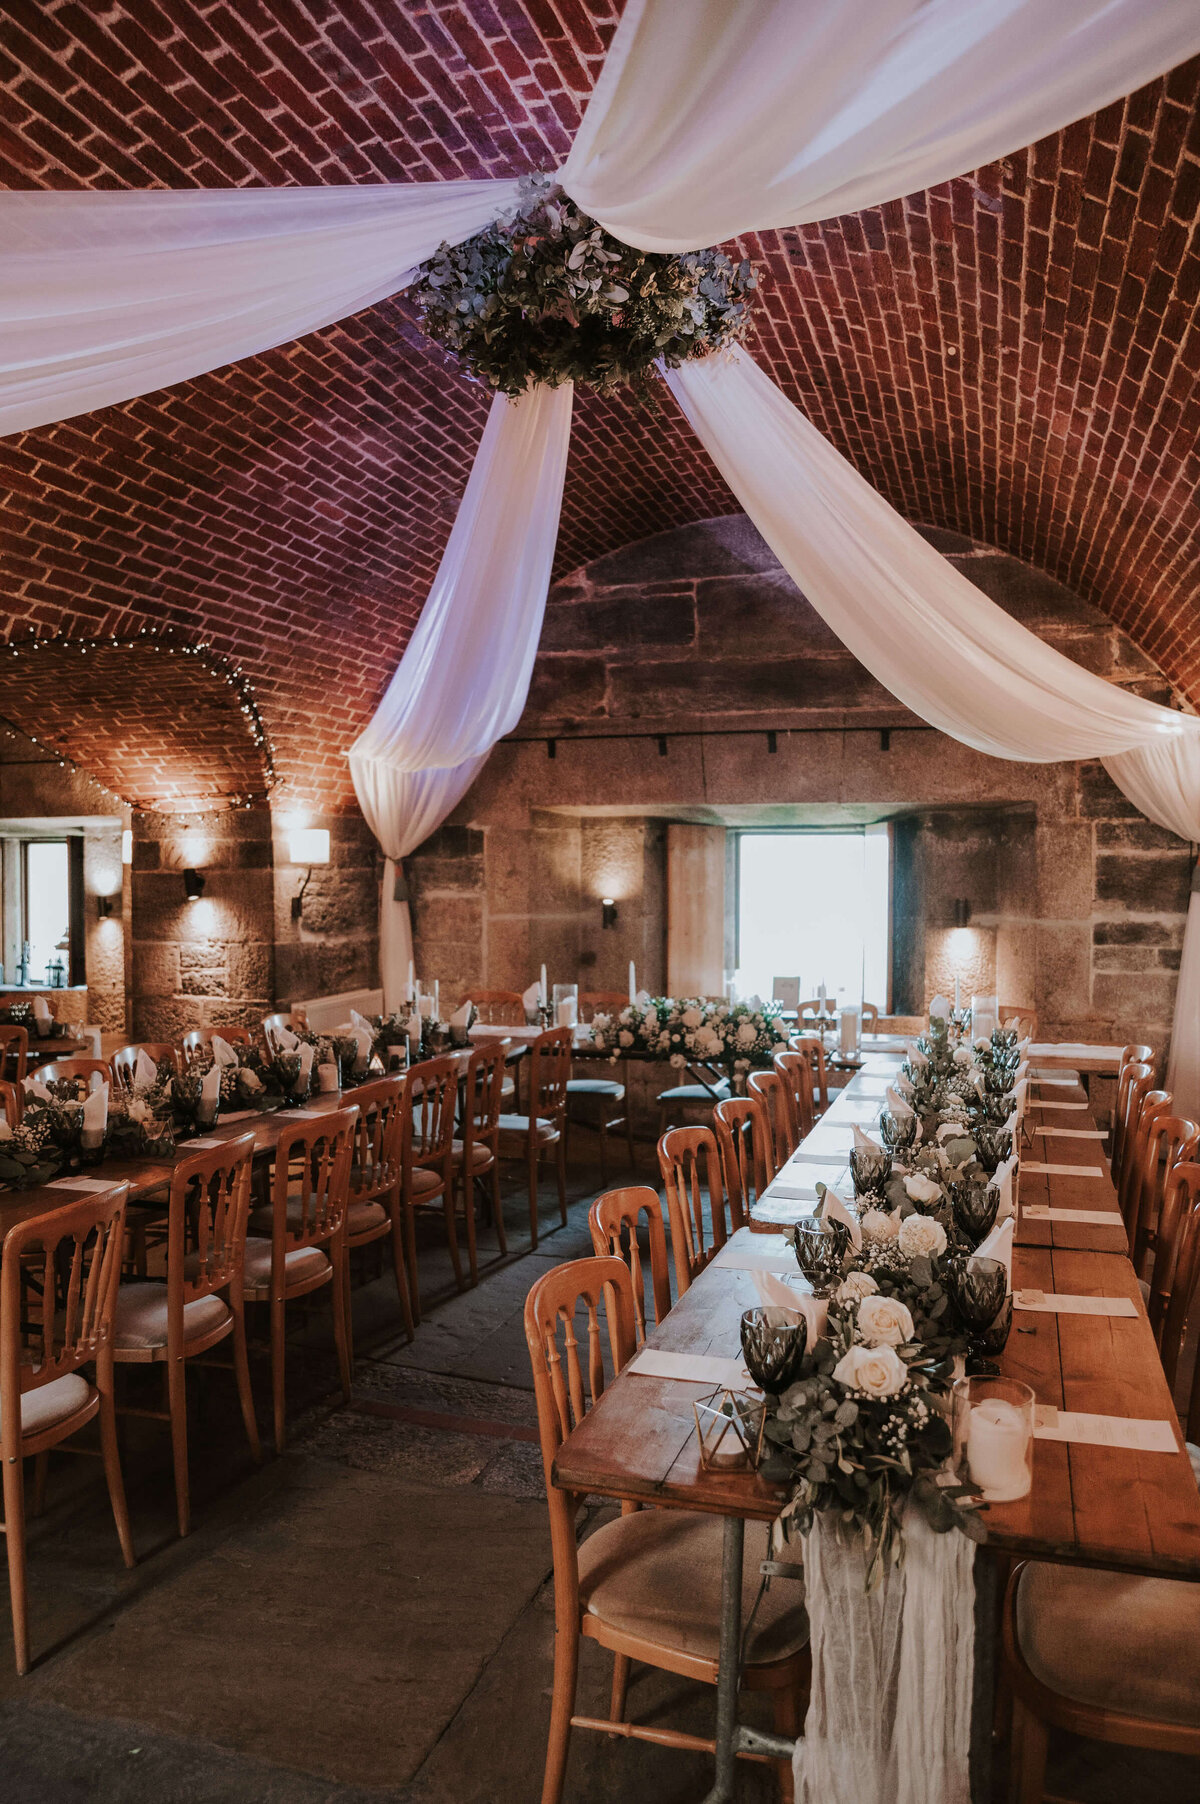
(884, 1322)
(920, 1189)
(879, 1227)
(625, 1038)
(962, 1055)
(707, 1042)
(854, 1288)
(250, 1081)
(692, 1017)
(921, 1234)
(678, 1060)
(878, 1371)
(139, 1110)
(747, 1034)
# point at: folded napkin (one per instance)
(461, 1018)
(286, 1038)
(222, 1051)
(95, 1111)
(532, 998)
(360, 1025)
(32, 1087)
(904, 1086)
(363, 1042)
(939, 1009)
(1003, 1180)
(690, 1368)
(210, 1085)
(145, 1072)
(643, 999)
(832, 1208)
(307, 1054)
(761, 1253)
(776, 1295)
(95, 1081)
(998, 1245)
(863, 1143)
(897, 1104)
(41, 1011)
(915, 1056)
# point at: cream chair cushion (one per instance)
(300, 1264)
(1114, 1641)
(141, 1320)
(54, 1402)
(365, 1218)
(596, 1086)
(519, 1124)
(481, 1156)
(658, 1574)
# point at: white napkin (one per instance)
(34, 1088)
(531, 998)
(897, 1104)
(95, 1111)
(210, 1085)
(1012, 1125)
(939, 1009)
(222, 1051)
(41, 1011)
(567, 1013)
(462, 1016)
(643, 999)
(95, 1081)
(998, 1245)
(774, 1294)
(307, 1054)
(360, 1025)
(904, 1086)
(1020, 1092)
(363, 1041)
(1003, 1180)
(144, 1072)
(286, 1038)
(863, 1143)
(915, 1056)
(832, 1208)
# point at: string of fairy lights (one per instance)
(164, 642)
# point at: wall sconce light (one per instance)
(104, 907)
(608, 912)
(962, 911)
(193, 884)
(310, 846)
(127, 845)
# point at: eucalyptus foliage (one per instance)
(547, 295)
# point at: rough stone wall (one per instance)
(335, 944)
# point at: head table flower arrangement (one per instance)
(737, 1036)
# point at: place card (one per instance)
(690, 1368)
(773, 1255)
(199, 1146)
(1092, 1218)
(1050, 1303)
(92, 1184)
(1050, 1424)
(794, 1193)
(1065, 1171)
(1049, 1103)
(299, 1114)
(1073, 1133)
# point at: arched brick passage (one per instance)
(155, 722)
(1013, 355)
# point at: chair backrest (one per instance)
(744, 1138)
(483, 1097)
(1151, 1104)
(1130, 1056)
(12, 1096)
(690, 1162)
(74, 1254)
(549, 1072)
(197, 1041)
(378, 1134)
(615, 1220)
(310, 1186)
(206, 1227)
(813, 1050)
(1184, 1289)
(772, 1092)
(271, 1024)
(1026, 1019)
(1170, 1140)
(58, 1069)
(431, 1100)
(551, 1313)
(1181, 1199)
(601, 1002)
(124, 1059)
(870, 1017)
(14, 1045)
(797, 1073)
(499, 1008)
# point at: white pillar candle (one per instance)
(411, 991)
(632, 981)
(998, 1450)
(543, 992)
(848, 1032)
(416, 996)
(425, 1008)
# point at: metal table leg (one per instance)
(733, 1737)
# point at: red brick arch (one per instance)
(1013, 355)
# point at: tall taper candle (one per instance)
(544, 993)
(437, 997)
(410, 992)
(632, 981)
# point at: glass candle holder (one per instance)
(993, 1436)
(729, 1429)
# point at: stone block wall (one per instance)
(335, 944)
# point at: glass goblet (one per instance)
(992, 1145)
(898, 1132)
(773, 1344)
(821, 1254)
(870, 1170)
(978, 1289)
(975, 1207)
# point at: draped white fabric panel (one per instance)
(935, 641)
(464, 676)
(716, 117)
(105, 296)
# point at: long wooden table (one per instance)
(1098, 1506)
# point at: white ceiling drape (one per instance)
(718, 117)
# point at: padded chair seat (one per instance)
(300, 1264)
(481, 1156)
(423, 1182)
(696, 1092)
(52, 1403)
(141, 1318)
(364, 1218)
(658, 1574)
(262, 1220)
(1117, 1642)
(596, 1086)
(513, 1125)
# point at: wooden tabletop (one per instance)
(1094, 1505)
(1055, 1055)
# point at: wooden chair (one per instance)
(1170, 1140)
(375, 1206)
(615, 1222)
(13, 1099)
(310, 1189)
(647, 1584)
(1133, 1082)
(599, 1099)
(476, 1155)
(44, 1342)
(1109, 1655)
(601, 1002)
(744, 1138)
(124, 1060)
(197, 1043)
(499, 1008)
(293, 1019)
(675, 1103)
(529, 1136)
(14, 1052)
(814, 1051)
(1146, 1109)
(1130, 1056)
(58, 1069)
(690, 1162)
(870, 1017)
(1026, 1019)
(769, 1088)
(201, 1302)
(427, 1125)
(797, 1073)
(1170, 1281)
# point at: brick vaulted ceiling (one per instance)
(1013, 355)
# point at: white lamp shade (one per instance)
(309, 845)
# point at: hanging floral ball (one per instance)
(546, 295)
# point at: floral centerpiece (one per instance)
(545, 294)
(54, 1138)
(735, 1036)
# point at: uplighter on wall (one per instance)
(310, 846)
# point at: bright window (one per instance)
(815, 905)
(47, 923)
